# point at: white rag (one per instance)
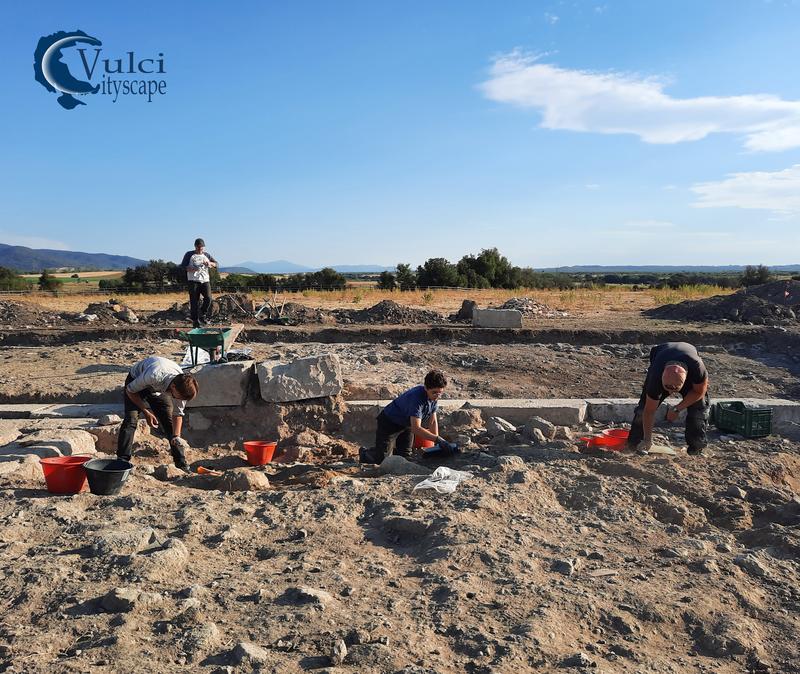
(444, 480)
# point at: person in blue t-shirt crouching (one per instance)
(413, 413)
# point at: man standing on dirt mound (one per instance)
(156, 381)
(675, 367)
(197, 264)
(413, 413)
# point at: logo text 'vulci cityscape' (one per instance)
(134, 75)
(133, 66)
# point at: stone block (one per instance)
(496, 318)
(302, 379)
(76, 411)
(20, 411)
(558, 411)
(615, 410)
(68, 442)
(106, 436)
(221, 385)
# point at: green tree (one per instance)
(405, 277)
(387, 281)
(10, 280)
(48, 282)
(329, 279)
(156, 275)
(110, 283)
(754, 276)
(437, 272)
(488, 270)
(267, 281)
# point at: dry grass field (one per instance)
(581, 300)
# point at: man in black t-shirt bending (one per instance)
(675, 367)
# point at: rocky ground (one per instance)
(545, 559)
(93, 371)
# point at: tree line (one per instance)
(489, 269)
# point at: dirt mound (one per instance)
(770, 304)
(389, 312)
(176, 313)
(785, 293)
(22, 314)
(223, 308)
(111, 311)
(233, 305)
(531, 308)
(294, 313)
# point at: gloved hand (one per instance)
(450, 447)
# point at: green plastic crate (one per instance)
(736, 417)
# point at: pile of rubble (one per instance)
(769, 304)
(223, 309)
(23, 315)
(232, 305)
(387, 312)
(111, 311)
(294, 313)
(531, 308)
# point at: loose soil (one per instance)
(545, 559)
(776, 303)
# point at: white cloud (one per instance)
(615, 103)
(777, 191)
(552, 19)
(31, 241)
(592, 186)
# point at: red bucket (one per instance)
(616, 433)
(258, 452)
(421, 443)
(606, 442)
(64, 474)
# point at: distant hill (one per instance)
(665, 269)
(236, 270)
(286, 267)
(24, 259)
(274, 267)
(361, 268)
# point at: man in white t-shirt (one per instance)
(197, 264)
(150, 387)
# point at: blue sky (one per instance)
(383, 132)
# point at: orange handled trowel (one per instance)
(208, 471)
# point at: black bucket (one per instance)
(106, 476)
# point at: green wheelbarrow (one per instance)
(208, 339)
